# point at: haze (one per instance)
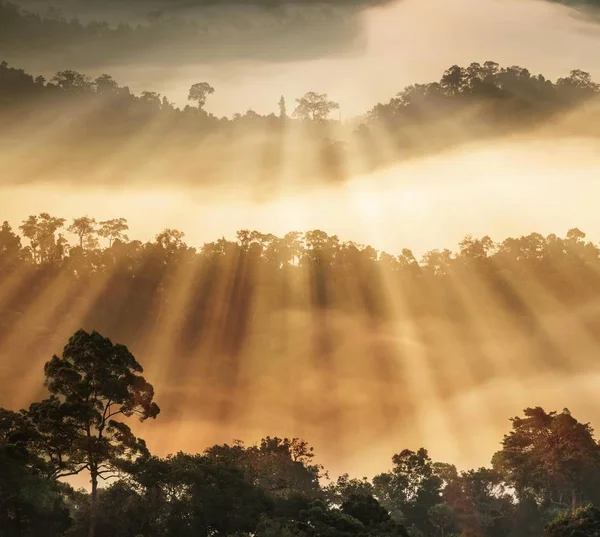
(392, 46)
(507, 186)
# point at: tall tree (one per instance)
(314, 106)
(551, 455)
(93, 383)
(41, 232)
(282, 109)
(411, 488)
(199, 92)
(85, 228)
(114, 230)
(10, 244)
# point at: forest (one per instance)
(232, 286)
(231, 311)
(103, 126)
(151, 387)
(542, 481)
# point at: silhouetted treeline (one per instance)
(216, 303)
(97, 122)
(542, 481)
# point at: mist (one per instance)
(359, 384)
(505, 188)
(421, 381)
(339, 51)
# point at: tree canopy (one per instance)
(272, 488)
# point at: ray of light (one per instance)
(41, 309)
(66, 325)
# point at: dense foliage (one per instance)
(545, 472)
(229, 299)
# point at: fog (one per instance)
(358, 61)
(385, 386)
(433, 394)
(507, 188)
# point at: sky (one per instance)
(509, 187)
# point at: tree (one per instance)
(84, 227)
(580, 522)
(152, 100)
(314, 106)
(480, 502)
(345, 487)
(171, 240)
(442, 517)
(41, 230)
(453, 80)
(366, 509)
(551, 455)
(200, 495)
(93, 383)
(106, 84)
(578, 80)
(114, 230)
(72, 81)
(282, 109)
(10, 245)
(122, 511)
(411, 488)
(199, 92)
(29, 503)
(282, 467)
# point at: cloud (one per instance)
(79, 34)
(589, 9)
(578, 3)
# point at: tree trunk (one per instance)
(94, 506)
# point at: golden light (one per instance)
(361, 383)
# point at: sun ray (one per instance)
(85, 296)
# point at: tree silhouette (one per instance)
(314, 106)
(267, 489)
(551, 455)
(282, 109)
(114, 230)
(199, 92)
(93, 383)
(84, 227)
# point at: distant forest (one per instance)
(97, 122)
(231, 299)
(542, 481)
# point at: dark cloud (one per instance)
(585, 8)
(578, 3)
(55, 33)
